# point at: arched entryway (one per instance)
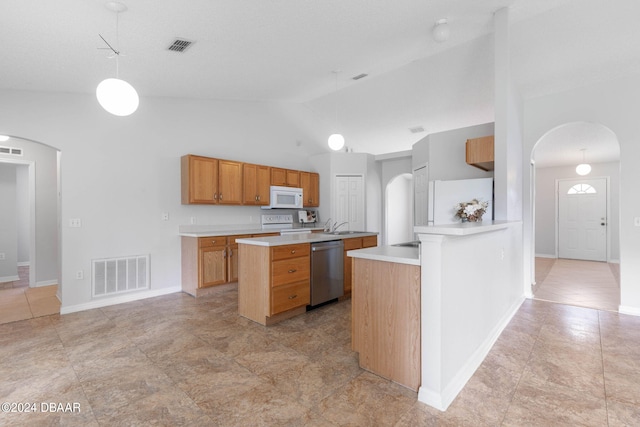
(399, 209)
(567, 225)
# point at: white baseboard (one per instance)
(9, 279)
(625, 309)
(104, 302)
(24, 264)
(546, 256)
(614, 261)
(441, 401)
(46, 283)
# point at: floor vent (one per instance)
(118, 275)
(11, 151)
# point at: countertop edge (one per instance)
(464, 229)
(395, 254)
(300, 238)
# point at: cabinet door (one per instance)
(314, 190)
(279, 177)
(212, 266)
(349, 244)
(293, 178)
(232, 257)
(369, 241)
(230, 183)
(263, 183)
(479, 152)
(289, 296)
(305, 183)
(199, 180)
(249, 181)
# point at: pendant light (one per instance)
(336, 140)
(115, 95)
(583, 168)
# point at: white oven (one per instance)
(285, 198)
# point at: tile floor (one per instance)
(575, 282)
(175, 360)
(19, 302)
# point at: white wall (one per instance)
(23, 214)
(545, 237)
(120, 173)
(8, 223)
(399, 210)
(613, 104)
(445, 152)
(400, 206)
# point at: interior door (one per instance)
(349, 204)
(582, 219)
(420, 195)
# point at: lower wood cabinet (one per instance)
(349, 245)
(273, 282)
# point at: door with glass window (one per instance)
(582, 219)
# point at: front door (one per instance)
(582, 219)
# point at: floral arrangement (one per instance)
(471, 211)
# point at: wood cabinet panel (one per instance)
(256, 180)
(213, 269)
(199, 180)
(290, 296)
(207, 242)
(293, 178)
(480, 152)
(290, 251)
(310, 183)
(290, 270)
(369, 241)
(229, 182)
(279, 177)
(386, 320)
(349, 245)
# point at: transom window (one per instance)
(582, 189)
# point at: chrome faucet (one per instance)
(327, 226)
(335, 227)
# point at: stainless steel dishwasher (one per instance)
(326, 271)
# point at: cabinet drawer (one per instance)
(290, 251)
(232, 239)
(207, 242)
(289, 296)
(369, 241)
(354, 243)
(290, 270)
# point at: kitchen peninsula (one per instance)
(274, 273)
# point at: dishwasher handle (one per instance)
(325, 246)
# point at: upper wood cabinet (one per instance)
(256, 182)
(293, 178)
(210, 181)
(310, 183)
(285, 177)
(480, 152)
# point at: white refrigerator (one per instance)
(445, 195)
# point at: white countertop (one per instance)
(397, 254)
(464, 229)
(293, 239)
(213, 231)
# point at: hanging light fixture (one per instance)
(115, 95)
(4, 138)
(583, 168)
(336, 140)
(440, 30)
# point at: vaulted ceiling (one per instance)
(284, 51)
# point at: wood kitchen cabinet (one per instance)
(310, 183)
(479, 152)
(349, 245)
(204, 263)
(207, 180)
(273, 282)
(232, 257)
(293, 178)
(256, 180)
(285, 177)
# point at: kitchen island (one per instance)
(274, 273)
(386, 312)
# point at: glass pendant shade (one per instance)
(4, 138)
(583, 169)
(117, 97)
(336, 141)
(441, 31)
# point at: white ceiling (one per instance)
(286, 50)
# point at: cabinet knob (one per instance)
(293, 251)
(293, 296)
(220, 196)
(292, 270)
(230, 252)
(255, 198)
(215, 196)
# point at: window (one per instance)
(582, 189)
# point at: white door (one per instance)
(420, 195)
(349, 204)
(582, 219)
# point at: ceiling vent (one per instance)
(180, 45)
(359, 76)
(417, 129)
(11, 151)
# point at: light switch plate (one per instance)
(75, 223)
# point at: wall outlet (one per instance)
(192, 220)
(2, 256)
(165, 216)
(79, 275)
(75, 223)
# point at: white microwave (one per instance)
(285, 198)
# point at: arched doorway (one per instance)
(31, 180)
(399, 209)
(561, 271)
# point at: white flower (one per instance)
(470, 209)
